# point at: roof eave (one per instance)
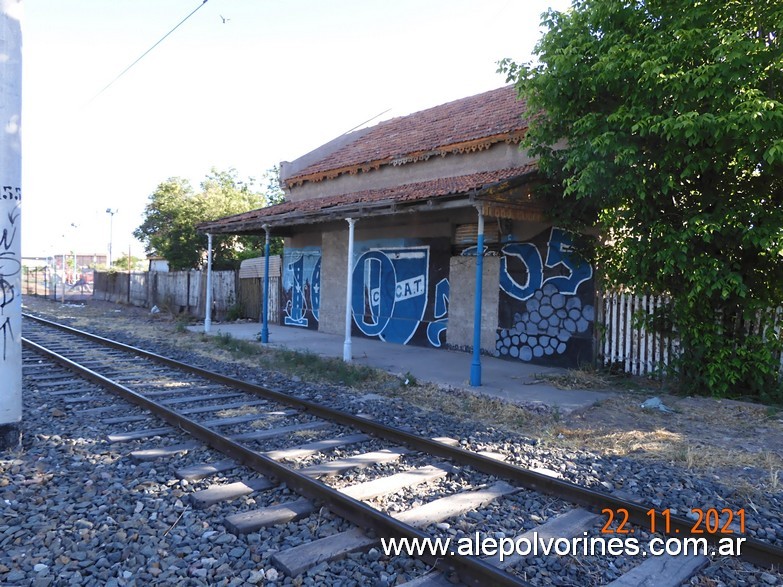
(478, 144)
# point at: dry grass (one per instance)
(589, 377)
(621, 428)
(468, 406)
(304, 434)
(774, 464)
(620, 443)
(243, 411)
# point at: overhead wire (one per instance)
(147, 52)
(366, 121)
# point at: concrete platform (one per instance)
(513, 381)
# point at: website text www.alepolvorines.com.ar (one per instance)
(536, 545)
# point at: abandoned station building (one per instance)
(406, 199)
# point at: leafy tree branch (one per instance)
(175, 209)
(661, 123)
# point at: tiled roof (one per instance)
(289, 212)
(471, 123)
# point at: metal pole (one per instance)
(129, 274)
(208, 309)
(475, 366)
(10, 216)
(64, 273)
(75, 264)
(347, 353)
(111, 212)
(265, 310)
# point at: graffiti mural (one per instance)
(301, 287)
(392, 288)
(546, 311)
(10, 268)
(437, 328)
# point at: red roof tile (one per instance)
(471, 123)
(411, 192)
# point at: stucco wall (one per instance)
(333, 267)
(462, 275)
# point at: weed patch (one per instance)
(590, 377)
(467, 406)
(236, 346)
(312, 367)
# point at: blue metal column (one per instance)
(475, 366)
(265, 317)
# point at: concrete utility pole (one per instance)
(10, 223)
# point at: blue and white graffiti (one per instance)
(302, 286)
(438, 327)
(390, 288)
(315, 290)
(553, 312)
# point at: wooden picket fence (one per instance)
(628, 346)
(625, 346)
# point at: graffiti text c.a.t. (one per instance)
(390, 292)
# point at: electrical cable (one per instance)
(124, 71)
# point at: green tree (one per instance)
(168, 229)
(124, 263)
(175, 209)
(273, 192)
(661, 123)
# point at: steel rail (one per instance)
(471, 570)
(753, 550)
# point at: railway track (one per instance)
(257, 428)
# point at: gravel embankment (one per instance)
(76, 510)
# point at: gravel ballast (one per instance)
(76, 510)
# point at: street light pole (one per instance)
(111, 212)
(75, 263)
(63, 292)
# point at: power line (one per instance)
(124, 71)
(366, 121)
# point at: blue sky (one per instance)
(274, 81)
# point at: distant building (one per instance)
(157, 264)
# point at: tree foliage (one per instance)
(175, 209)
(661, 122)
(126, 262)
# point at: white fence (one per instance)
(626, 345)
